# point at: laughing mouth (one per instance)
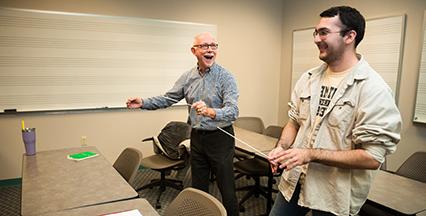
(322, 46)
(209, 57)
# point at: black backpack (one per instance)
(171, 136)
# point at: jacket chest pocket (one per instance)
(342, 113)
(304, 107)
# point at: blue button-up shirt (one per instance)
(216, 87)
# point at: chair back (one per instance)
(171, 136)
(127, 163)
(414, 167)
(194, 202)
(254, 124)
(273, 131)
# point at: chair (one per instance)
(127, 163)
(257, 168)
(414, 167)
(254, 124)
(253, 168)
(273, 131)
(164, 165)
(194, 202)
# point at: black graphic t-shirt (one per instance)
(327, 93)
(329, 85)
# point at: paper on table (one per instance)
(133, 212)
(82, 155)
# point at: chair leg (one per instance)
(162, 183)
(176, 184)
(253, 190)
(269, 190)
(247, 196)
(238, 175)
(153, 183)
(158, 204)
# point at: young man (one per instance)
(343, 122)
(213, 93)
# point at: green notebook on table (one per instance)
(82, 155)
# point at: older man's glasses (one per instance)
(323, 33)
(206, 46)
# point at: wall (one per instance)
(249, 33)
(305, 13)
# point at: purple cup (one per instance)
(29, 138)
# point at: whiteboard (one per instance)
(420, 108)
(381, 47)
(65, 61)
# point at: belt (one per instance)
(202, 131)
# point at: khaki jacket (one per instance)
(362, 114)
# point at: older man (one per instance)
(213, 93)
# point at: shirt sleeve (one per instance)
(176, 93)
(378, 125)
(229, 111)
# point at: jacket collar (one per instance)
(357, 73)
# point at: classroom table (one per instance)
(398, 193)
(51, 182)
(260, 142)
(262, 145)
(121, 206)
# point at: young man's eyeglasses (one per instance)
(322, 33)
(206, 46)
